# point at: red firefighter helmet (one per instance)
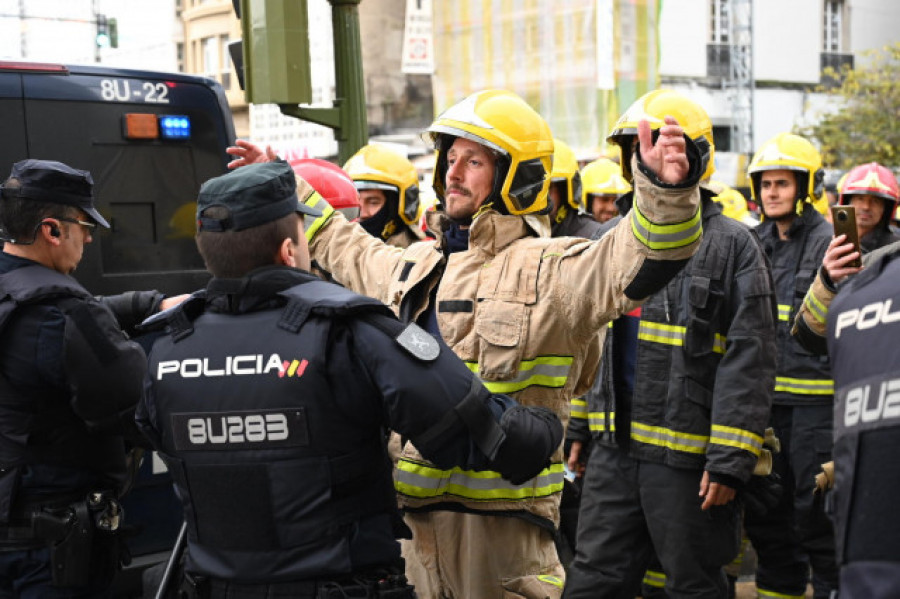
(870, 179)
(333, 184)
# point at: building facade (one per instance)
(209, 26)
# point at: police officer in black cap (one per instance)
(69, 382)
(268, 398)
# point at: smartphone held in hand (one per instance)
(844, 220)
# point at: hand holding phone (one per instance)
(844, 221)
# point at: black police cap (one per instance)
(254, 195)
(55, 182)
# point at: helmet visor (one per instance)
(409, 205)
(577, 199)
(526, 186)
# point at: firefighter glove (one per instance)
(762, 493)
(825, 478)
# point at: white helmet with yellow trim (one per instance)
(503, 122)
(654, 107)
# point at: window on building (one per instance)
(720, 22)
(224, 62)
(210, 61)
(179, 56)
(832, 26)
(722, 137)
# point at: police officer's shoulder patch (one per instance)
(419, 343)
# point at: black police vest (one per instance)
(274, 477)
(33, 427)
(863, 329)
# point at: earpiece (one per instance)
(54, 231)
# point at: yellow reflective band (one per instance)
(815, 307)
(601, 421)
(670, 334)
(665, 237)
(804, 386)
(554, 580)
(578, 409)
(316, 201)
(664, 437)
(764, 593)
(784, 312)
(736, 437)
(543, 371)
(719, 344)
(655, 579)
(424, 481)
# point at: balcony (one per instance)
(836, 61)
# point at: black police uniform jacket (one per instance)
(802, 378)
(268, 400)
(705, 361)
(863, 328)
(61, 438)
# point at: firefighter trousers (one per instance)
(796, 534)
(628, 508)
(455, 555)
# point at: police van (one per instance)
(149, 140)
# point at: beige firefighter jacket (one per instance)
(814, 309)
(524, 311)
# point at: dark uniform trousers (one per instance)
(629, 507)
(797, 534)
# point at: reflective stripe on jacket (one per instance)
(526, 312)
(802, 378)
(813, 313)
(705, 363)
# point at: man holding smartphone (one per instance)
(786, 177)
(871, 190)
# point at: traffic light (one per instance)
(274, 52)
(102, 37)
(113, 29)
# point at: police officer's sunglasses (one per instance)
(89, 226)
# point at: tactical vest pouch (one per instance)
(70, 556)
(9, 484)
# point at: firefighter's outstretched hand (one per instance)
(668, 157)
(246, 152)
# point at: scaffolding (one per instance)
(739, 82)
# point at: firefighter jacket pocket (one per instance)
(499, 326)
(701, 338)
(698, 394)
